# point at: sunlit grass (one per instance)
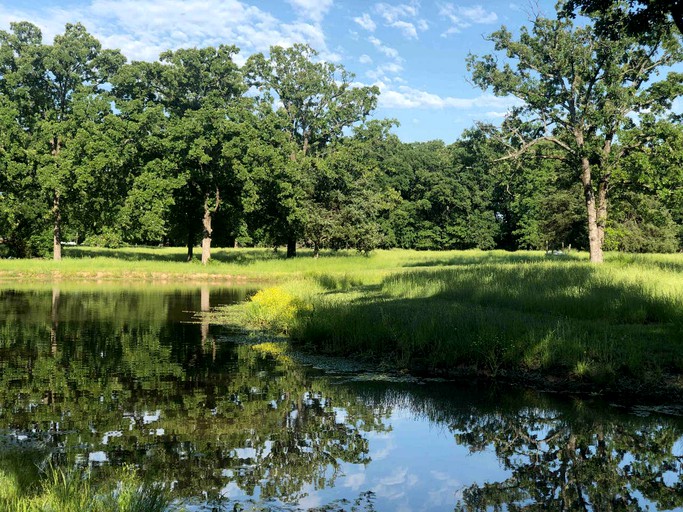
(496, 312)
(491, 311)
(61, 490)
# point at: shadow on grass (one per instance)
(223, 255)
(541, 317)
(494, 257)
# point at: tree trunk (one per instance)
(57, 228)
(602, 210)
(316, 250)
(291, 248)
(595, 233)
(190, 249)
(206, 233)
(56, 212)
(207, 230)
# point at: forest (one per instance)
(284, 151)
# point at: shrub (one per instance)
(274, 309)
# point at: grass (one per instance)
(488, 312)
(497, 314)
(168, 264)
(62, 490)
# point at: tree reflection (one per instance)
(573, 460)
(102, 390)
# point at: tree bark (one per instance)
(56, 212)
(291, 248)
(595, 237)
(206, 227)
(207, 230)
(57, 228)
(316, 250)
(602, 210)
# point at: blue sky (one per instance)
(413, 50)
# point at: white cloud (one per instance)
(402, 17)
(312, 9)
(392, 13)
(366, 22)
(386, 72)
(365, 59)
(355, 481)
(142, 29)
(405, 97)
(463, 17)
(408, 29)
(392, 53)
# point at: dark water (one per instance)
(101, 377)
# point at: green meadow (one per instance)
(493, 313)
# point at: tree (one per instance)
(50, 86)
(579, 89)
(641, 17)
(201, 90)
(317, 100)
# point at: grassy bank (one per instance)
(168, 264)
(58, 490)
(619, 324)
(492, 313)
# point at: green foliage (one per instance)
(275, 310)
(72, 491)
(579, 89)
(172, 152)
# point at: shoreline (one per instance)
(668, 391)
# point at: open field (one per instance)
(492, 313)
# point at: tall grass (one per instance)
(74, 491)
(490, 313)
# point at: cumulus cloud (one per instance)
(366, 22)
(142, 29)
(403, 17)
(463, 17)
(408, 29)
(392, 53)
(406, 97)
(312, 9)
(365, 59)
(392, 13)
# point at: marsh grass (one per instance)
(492, 311)
(73, 490)
(528, 313)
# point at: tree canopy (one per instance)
(282, 150)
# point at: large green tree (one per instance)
(54, 89)
(316, 101)
(638, 17)
(201, 90)
(580, 89)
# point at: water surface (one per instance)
(100, 377)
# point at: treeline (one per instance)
(194, 148)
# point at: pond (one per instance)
(97, 377)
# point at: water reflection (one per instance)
(99, 379)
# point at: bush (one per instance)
(274, 309)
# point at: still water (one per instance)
(101, 377)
